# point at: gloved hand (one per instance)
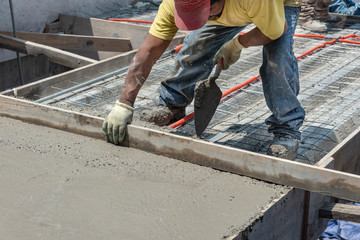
(229, 52)
(115, 123)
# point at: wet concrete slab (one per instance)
(60, 185)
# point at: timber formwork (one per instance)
(237, 137)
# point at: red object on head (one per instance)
(191, 14)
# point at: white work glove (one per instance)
(229, 52)
(115, 123)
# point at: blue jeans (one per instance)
(346, 7)
(279, 73)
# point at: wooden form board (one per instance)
(105, 28)
(340, 211)
(55, 55)
(98, 27)
(315, 179)
(43, 88)
(76, 42)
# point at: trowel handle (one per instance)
(219, 68)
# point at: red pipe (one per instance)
(233, 89)
(182, 121)
(309, 35)
(128, 20)
(315, 48)
(349, 41)
(177, 49)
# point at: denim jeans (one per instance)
(279, 73)
(346, 7)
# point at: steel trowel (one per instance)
(207, 97)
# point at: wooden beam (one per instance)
(348, 19)
(259, 166)
(76, 42)
(105, 28)
(346, 155)
(55, 55)
(98, 27)
(340, 211)
(43, 88)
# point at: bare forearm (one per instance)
(255, 38)
(139, 70)
(140, 67)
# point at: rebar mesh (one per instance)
(330, 92)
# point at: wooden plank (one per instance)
(346, 155)
(82, 74)
(340, 211)
(55, 55)
(98, 27)
(76, 42)
(51, 117)
(348, 19)
(42, 88)
(259, 166)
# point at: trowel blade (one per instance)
(209, 94)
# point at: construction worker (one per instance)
(215, 27)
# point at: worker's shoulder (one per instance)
(168, 3)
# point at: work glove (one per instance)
(115, 123)
(229, 52)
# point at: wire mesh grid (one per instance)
(330, 80)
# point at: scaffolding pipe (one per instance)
(15, 35)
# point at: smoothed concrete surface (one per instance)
(59, 185)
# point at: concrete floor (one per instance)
(57, 185)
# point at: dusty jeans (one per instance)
(314, 9)
(279, 73)
(346, 7)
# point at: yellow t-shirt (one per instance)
(267, 15)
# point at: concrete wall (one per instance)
(31, 16)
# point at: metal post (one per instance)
(17, 54)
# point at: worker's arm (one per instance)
(230, 51)
(149, 52)
(114, 126)
(255, 38)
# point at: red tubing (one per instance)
(128, 20)
(240, 86)
(177, 49)
(315, 48)
(349, 41)
(182, 121)
(309, 35)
